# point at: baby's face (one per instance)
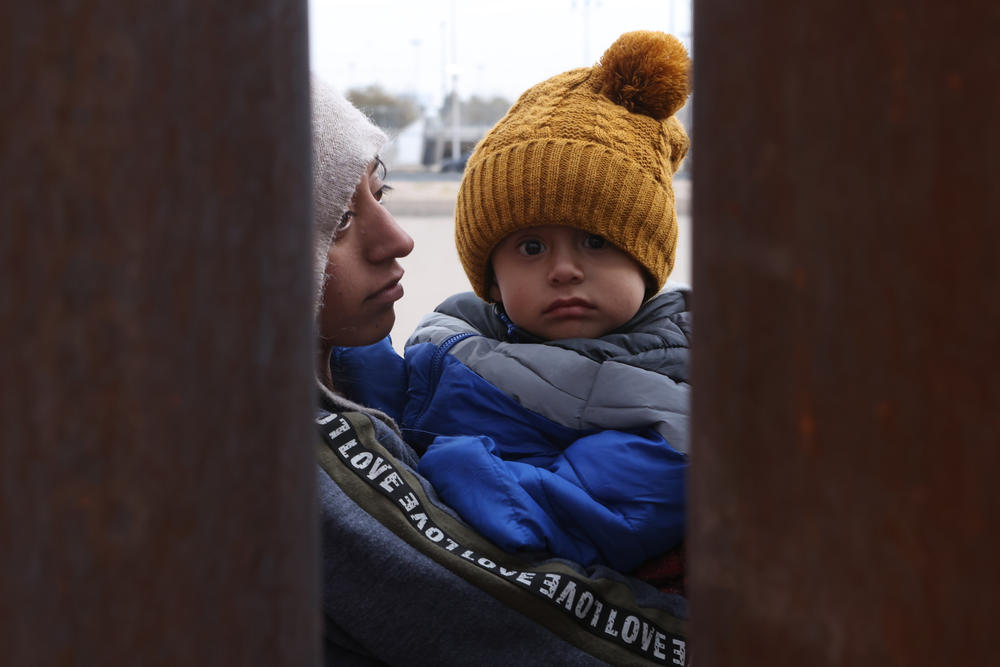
(561, 282)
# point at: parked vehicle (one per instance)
(456, 165)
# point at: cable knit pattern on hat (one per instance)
(344, 144)
(594, 148)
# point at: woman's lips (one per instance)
(390, 292)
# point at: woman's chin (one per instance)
(359, 336)
(379, 328)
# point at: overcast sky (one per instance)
(500, 47)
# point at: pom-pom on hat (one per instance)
(593, 148)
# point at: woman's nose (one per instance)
(386, 239)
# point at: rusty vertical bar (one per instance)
(156, 498)
(847, 381)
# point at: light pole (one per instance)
(456, 141)
(585, 10)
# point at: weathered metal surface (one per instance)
(847, 381)
(156, 496)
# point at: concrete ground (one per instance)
(424, 205)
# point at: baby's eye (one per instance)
(593, 241)
(531, 247)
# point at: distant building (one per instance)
(428, 141)
(406, 148)
(438, 140)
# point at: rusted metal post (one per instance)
(156, 503)
(847, 276)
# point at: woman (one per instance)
(405, 581)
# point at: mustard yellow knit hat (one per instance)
(594, 148)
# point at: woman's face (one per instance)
(362, 284)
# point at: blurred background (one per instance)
(436, 75)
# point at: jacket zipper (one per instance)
(437, 362)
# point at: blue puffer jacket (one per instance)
(574, 447)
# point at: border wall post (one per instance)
(847, 300)
(157, 495)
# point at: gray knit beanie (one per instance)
(344, 144)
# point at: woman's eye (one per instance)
(345, 221)
(531, 247)
(594, 242)
(382, 192)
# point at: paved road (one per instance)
(424, 207)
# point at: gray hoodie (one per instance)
(406, 582)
